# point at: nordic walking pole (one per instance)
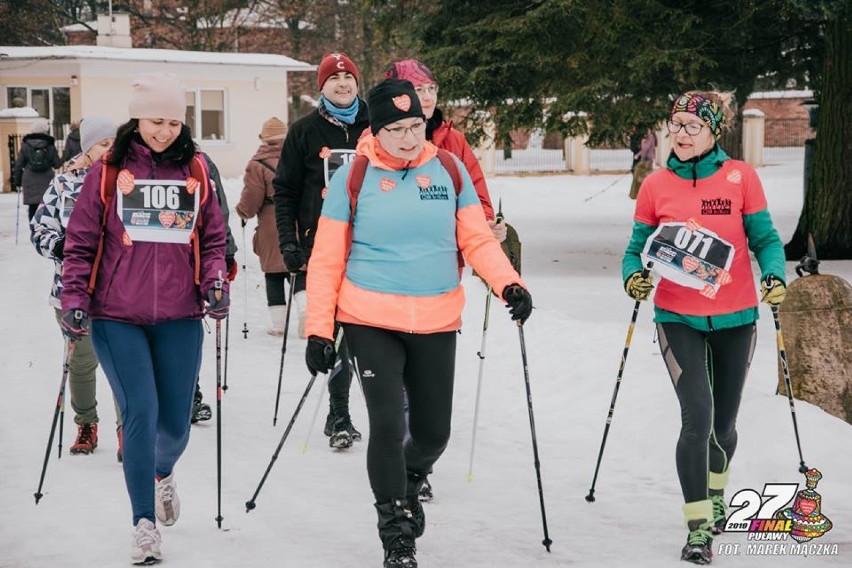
(18, 213)
(591, 496)
(66, 364)
(227, 337)
(243, 222)
(284, 347)
(218, 287)
(782, 355)
(546, 542)
(320, 398)
(481, 355)
(61, 424)
(251, 504)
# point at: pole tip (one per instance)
(37, 496)
(547, 542)
(250, 505)
(802, 468)
(591, 496)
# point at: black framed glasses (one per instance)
(692, 128)
(398, 132)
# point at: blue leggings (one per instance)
(152, 370)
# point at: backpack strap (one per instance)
(354, 182)
(198, 170)
(452, 168)
(109, 179)
(266, 165)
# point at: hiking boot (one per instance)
(200, 411)
(720, 514)
(329, 423)
(401, 557)
(699, 543)
(119, 454)
(414, 488)
(340, 438)
(145, 546)
(397, 530)
(166, 501)
(87, 439)
(425, 495)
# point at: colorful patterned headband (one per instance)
(703, 108)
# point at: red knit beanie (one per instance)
(335, 63)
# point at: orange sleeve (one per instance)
(325, 274)
(482, 251)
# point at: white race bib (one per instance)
(333, 159)
(690, 255)
(160, 211)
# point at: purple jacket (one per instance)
(142, 283)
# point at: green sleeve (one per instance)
(632, 261)
(764, 242)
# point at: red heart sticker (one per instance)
(167, 219)
(325, 152)
(690, 264)
(125, 182)
(387, 184)
(324, 192)
(693, 225)
(724, 277)
(402, 102)
(735, 176)
(807, 506)
(125, 239)
(708, 292)
(191, 185)
(423, 181)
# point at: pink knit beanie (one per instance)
(158, 95)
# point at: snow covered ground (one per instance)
(315, 509)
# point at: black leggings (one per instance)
(275, 291)
(424, 364)
(708, 371)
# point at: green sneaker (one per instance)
(720, 514)
(699, 543)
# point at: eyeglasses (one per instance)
(431, 88)
(692, 128)
(398, 132)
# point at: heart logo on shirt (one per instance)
(708, 292)
(423, 181)
(387, 184)
(735, 176)
(693, 225)
(325, 152)
(724, 277)
(125, 182)
(402, 102)
(690, 264)
(167, 219)
(324, 192)
(192, 184)
(125, 240)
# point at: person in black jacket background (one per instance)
(33, 168)
(316, 145)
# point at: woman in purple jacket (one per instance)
(162, 257)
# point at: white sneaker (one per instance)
(166, 501)
(145, 547)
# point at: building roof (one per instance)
(94, 52)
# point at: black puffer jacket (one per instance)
(300, 178)
(72, 145)
(34, 183)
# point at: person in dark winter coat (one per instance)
(388, 274)
(33, 168)
(316, 145)
(256, 199)
(705, 306)
(146, 277)
(72, 143)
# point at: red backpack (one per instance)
(109, 179)
(359, 170)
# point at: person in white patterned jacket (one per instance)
(48, 236)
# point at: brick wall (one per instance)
(786, 120)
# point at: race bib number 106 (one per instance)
(690, 255)
(161, 211)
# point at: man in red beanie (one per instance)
(316, 145)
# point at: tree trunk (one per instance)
(827, 212)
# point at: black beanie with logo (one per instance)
(392, 100)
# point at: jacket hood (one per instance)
(368, 145)
(269, 150)
(39, 140)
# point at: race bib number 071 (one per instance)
(690, 255)
(160, 211)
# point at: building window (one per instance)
(52, 103)
(205, 114)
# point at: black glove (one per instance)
(59, 249)
(231, 266)
(74, 324)
(293, 256)
(520, 302)
(319, 355)
(217, 309)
